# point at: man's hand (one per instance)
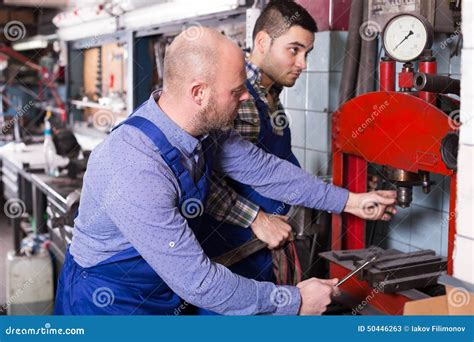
(316, 295)
(274, 230)
(374, 205)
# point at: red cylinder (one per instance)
(387, 74)
(428, 66)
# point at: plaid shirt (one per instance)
(223, 203)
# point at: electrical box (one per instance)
(438, 12)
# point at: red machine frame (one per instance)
(388, 128)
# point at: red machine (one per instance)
(409, 136)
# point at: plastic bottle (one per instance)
(50, 155)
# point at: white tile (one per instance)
(398, 245)
(338, 44)
(317, 163)
(399, 226)
(426, 228)
(468, 23)
(444, 234)
(317, 131)
(462, 259)
(465, 191)
(319, 58)
(455, 65)
(434, 199)
(334, 86)
(299, 154)
(296, 95)
(283, 97)
(467, 96)
(318, 91)
(297, 121)
(446, 193)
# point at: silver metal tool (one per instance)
(343, 280)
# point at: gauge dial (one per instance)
(406, 36)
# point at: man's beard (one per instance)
(210, 119)
(275, 74)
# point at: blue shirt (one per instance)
(130, 198)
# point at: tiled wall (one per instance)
(309, 106)
(311, 101)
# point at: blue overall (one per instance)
(218, 238)
(142, 291)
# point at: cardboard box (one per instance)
(457, 302)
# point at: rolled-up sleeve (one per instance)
(144, 206)
(276, 178)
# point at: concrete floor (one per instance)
(6, 244)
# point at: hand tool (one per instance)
(343, 280)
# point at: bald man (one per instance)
(134, 250)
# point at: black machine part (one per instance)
(449, 150)
(436, 83)
(392, 271)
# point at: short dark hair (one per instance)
(280, 15)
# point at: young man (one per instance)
(283, 37)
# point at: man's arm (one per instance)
(276, 178)
(163, 238)
(225, 204)
(280, 180)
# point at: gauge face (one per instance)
(406, 36)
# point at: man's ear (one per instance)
(198, 92)
(262, 42)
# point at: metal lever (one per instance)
(343, 280)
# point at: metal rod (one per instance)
(343, 280)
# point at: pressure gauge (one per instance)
(406, 36)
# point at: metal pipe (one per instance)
(428, 65)
(352, 51)
(368, 59)
(437, 84)
(387, 74)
